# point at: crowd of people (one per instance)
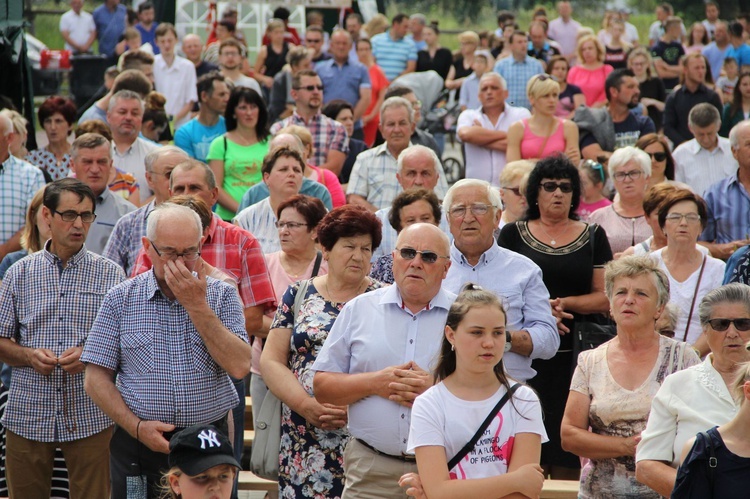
(212, 227)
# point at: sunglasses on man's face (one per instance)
(723, 324)
(565, 187)
(310, 88)
(411, 254)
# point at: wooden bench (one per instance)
(553, 489)
(249, 481)
(560, 489)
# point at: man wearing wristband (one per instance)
(172, 337)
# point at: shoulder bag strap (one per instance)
(299, 297)
(695, 294)
(473, 441)
(712, 462)
(225, 150)
(318, 261)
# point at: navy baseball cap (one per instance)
(198, 448)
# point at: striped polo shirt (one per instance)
(393, 55)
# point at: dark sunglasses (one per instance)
(310, 88)
(427, 256)
(658, 156)
(723, 324)
(553, 186)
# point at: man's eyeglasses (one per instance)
(427, 256)
(634, 174)
(477, 210)
(723, 324)
(565, 187)
(289, 225)
(188, 256)
(87, 217)
(658, 156)
(319, 40)
(514, 190)
(310, 88)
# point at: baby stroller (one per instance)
(439, 115)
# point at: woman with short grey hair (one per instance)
(697, 398)
(624, 220)
(613, 385)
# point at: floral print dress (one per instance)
(311, 460)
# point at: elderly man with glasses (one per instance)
(377, 371)
(472, 208)
(48, 302)
(172, 338)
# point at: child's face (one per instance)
(731, 70)
(479, 66)
(134, 43)
(214, 482)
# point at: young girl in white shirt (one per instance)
(470, 381)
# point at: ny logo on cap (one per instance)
(208, 437)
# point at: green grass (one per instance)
(46, 27)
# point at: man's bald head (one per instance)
(287, 140)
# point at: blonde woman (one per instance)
(378, 24)
(512, 188)
(543, 133)
(653, 93)
(272, 56)
(591, 71)
(462, 66)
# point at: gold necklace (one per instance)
(288, 268)
(552, 239)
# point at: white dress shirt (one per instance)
(518, 282)
(360, 342)
(700, 168)
(481, 162)
(689, 401)
(178, 83)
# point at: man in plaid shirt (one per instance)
(330, 140)
(48, 302)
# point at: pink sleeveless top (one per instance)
(531, 144)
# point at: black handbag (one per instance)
(591, 330)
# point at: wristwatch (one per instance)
(508, 341)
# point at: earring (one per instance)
(453, 347)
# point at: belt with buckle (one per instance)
(407, 458)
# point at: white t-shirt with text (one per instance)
(440, 418)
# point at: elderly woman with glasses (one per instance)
(313, 435)
(691, 272)
(614, 384)
(571, 255)
(698, 398)
(543, 133)
(625, 220)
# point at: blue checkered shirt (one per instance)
(19, 181)
(728, 206)
(124, 243)
(517, 75)
(43, 305)
(164, 370)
